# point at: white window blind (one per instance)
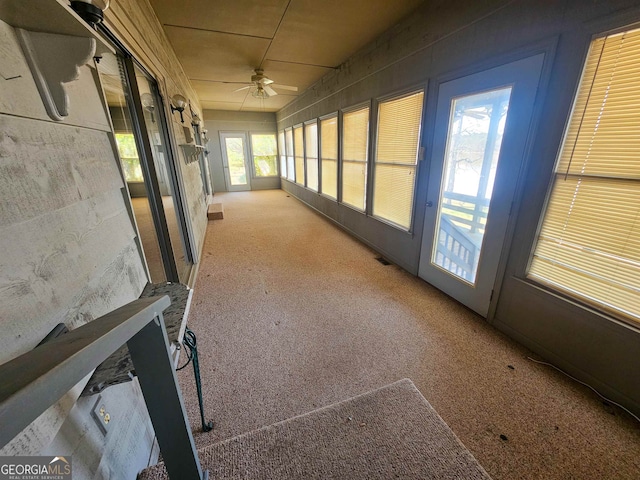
(355, 130)
(589, 241)
(396, 158)
(283, 154)
(329, 156)
(298, 146)
(311, 154)
(291, 172)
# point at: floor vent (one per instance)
(383, 261)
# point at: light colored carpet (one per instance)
(391, 432)
(148, 235)
(293, 314)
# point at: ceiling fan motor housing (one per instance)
(260, 78)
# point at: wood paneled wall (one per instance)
(68, 245)
(69, 251)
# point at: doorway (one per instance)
(235, 156)
(482, 126)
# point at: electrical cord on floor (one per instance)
(585, 384)
(189, 357)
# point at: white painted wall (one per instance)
(217, 121)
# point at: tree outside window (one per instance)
(265, 154)
(129, 156)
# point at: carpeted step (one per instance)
(391, 432)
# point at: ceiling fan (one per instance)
(264, 86)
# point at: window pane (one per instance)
(291, 172)
(329, 156)
(354, 157)
(298, 146)
(283, 156)
(311, 152)
(235, 154)
(393, 194)
(129, 156)
(589, 240)
(476, 126)
(117, 94)
(396, 157)
(353, 183)
(265, 154)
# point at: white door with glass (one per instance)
(482, 125)
(234, 159)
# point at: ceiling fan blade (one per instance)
(266, 81)
(270, 90)
(285, 87)
(242, 88)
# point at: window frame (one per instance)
(527, 256)
(313, 121)
(282, 154)
(375, 120)
(303, 182)
(350, 109)
(254, 175)
(290, 155)
(320, 119)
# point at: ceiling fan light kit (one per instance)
(263, 86)
(260, 92)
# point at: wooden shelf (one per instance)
(50, 16)
(192, 152)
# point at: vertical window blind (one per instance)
(311, 154)
(396, 158)
(329, 156)
(298, 147)
(355, 130)
(589, 240)
(283, 154)
(291, 172)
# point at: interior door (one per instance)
(234, 158)
(481, 130)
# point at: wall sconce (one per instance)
(148, 104)
(178, 103)
(91, 11)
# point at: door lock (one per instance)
(429, 203)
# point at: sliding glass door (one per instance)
(141, 137)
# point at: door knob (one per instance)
(429, 203)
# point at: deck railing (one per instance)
(462, 223)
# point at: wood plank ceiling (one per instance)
(296, 42)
